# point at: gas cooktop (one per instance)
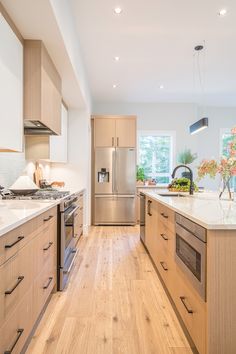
(48, 194)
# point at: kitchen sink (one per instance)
(171, 195)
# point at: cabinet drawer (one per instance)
(17, 328)
(167, 269)
(167, 216)
(43, 287)
(192, 310)
(16, 277)
(13, 241)
(166, 238)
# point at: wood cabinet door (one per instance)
(151, 226)
(126, 132)
(104, 132)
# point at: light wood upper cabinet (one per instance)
(105, 132)
(42, 87)
(114, 131)
(44, 147)
(126, 132)
(11, 88)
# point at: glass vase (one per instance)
(227, 188)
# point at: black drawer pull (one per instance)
(164, 237)
(49, 245)
(163, 266)
(149, 208)
(164, 215)
(19, 280)
(19, 334)
(182, 298)
(49, 218)
(14, 243)
(49, 282)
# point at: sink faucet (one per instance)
(191, 188)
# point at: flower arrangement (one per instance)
(226, 167)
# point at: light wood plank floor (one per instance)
(114, 303)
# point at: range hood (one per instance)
(35, 127)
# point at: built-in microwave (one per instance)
(190, 254)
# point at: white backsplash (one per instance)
(12, 165)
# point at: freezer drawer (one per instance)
(114, 210)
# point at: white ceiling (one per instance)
(154, 40)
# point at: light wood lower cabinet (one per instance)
(78, 222)
(17, 328)
(28, 276)
(160, 242)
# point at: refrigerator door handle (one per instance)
(113, 172)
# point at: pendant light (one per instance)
(202, 123)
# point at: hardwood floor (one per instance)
(114, 303)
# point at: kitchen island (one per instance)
(192, 242)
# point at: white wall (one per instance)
(178, 117)
(76, 173)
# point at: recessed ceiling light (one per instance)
(117, 58)
(222, 12)
(114, 86)
(161, 87)
(117, 10)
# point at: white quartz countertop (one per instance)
(14, 213)
(203, 208)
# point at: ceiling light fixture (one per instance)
(114, 86)
(198, 126)
(203, 122)
(117, 58)
(161, 87)
(117, 10)
(222, 12)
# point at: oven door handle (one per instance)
(72, 212)
(74, 252)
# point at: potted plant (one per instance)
(186, 158)
(140, 175)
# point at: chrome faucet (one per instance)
(191, 188)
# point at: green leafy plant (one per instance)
(186, 157)
(181, 185)
(140, 175)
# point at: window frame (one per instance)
(169, 133)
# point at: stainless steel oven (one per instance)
(67, 250)
(190, 252)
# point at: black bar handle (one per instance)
(182, 298)
(49, 245)
(49, 218)
(149, 208)
(19, 280)
(19, 334)
(163, 266)
(164, 237)
(49, 282)
(20, 238)
(164, 215)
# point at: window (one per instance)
(155, 155)
(225, 140)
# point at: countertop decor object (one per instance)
(24, 185)
(226, 168)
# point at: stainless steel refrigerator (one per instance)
(115, 184)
